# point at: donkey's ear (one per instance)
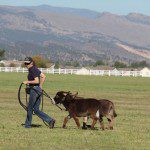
(69, 93)
(75, 94)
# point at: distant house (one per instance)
(115, 72)
(7, 63)
(52, 66)
(145, 72)
(2, 62)
(83, 71)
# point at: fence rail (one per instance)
(84, 71)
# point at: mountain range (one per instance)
(74, 35)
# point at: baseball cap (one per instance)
(28, 60)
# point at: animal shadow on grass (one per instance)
(75, 128)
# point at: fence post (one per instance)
(130, 73)
(135, 73)
(90, 71)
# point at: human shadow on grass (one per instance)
(33, 125)
(38, 126)
(59, 127)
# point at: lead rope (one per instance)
(26, 99)
(52, 100)
(43, 93)
(42, 99)
(42, 109)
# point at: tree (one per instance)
(134, 65)
(139, 64)
(99, 63)
(57, 65)
(143, 64)
(76, 64)
(118, 64)
(12, 65)
(2, 54)
(39, 61)
(68, 64)
(2, 65)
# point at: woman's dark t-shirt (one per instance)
(33, 73)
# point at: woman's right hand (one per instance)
(25, 82)
(41, 86)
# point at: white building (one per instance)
(145, 72)
(83, 71)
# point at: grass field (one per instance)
(130, 95)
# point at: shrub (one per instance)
(99, 63)
(2, 65)
(118, 64)
(12, 65)
(139, 64)
(40, 62)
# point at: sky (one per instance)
(121, 7)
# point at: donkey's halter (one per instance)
(64, 98)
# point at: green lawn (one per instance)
(130, 95)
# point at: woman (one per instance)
(35, 81)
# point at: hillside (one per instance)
(66, 34)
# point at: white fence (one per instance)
(82, 71)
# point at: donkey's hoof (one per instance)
(111, 128)
(64, 127)
(102, 128)
(92, 128)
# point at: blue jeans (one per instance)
(35, 106)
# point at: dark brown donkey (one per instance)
(82, 107)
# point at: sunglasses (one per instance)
(26, 64)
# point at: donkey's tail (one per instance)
(114, 113)
(112, 110)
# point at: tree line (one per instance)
(44, 63)
(118, 64)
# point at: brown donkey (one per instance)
(82, 107)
